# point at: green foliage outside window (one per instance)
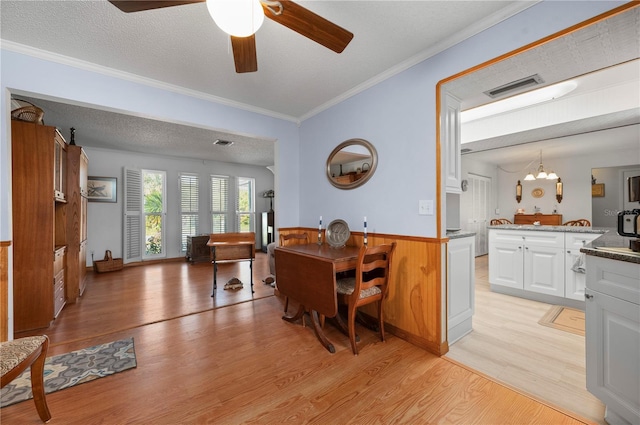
(153, 208)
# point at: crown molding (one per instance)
(476, 28)
(110, 72)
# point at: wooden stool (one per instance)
(18, 355)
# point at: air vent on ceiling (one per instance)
(523, 83)
(220, 142)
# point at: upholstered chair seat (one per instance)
(19, 354)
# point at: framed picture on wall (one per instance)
(102, 189)
(597, 190)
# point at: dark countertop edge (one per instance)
(611, 239)
(618, 256)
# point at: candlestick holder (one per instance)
(319, 237)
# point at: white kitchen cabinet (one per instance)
(574, 282)
(527, 260)
(460, 287)
(450, 140)
(613, 337)
(506, 264)
(544, 269)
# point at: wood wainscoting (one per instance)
(4, 290)
(413, 309)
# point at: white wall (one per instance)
(575, 173)
(105, 219)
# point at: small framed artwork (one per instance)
(102, 189)
(597, 190)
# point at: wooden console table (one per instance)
(544, 219)
(232, 247)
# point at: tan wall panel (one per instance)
(412, 309)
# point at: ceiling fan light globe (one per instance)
(552, 176)
(541, 175)
(529, 177)
(238, 18)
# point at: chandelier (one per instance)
(541, 173)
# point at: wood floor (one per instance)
(509, 345)
(237, 361)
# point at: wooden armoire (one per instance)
(49, 223)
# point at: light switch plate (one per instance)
(425, 207)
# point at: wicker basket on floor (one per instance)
(109, 264)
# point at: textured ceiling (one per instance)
(296, 77)
(182, 46)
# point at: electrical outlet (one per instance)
(497, 211)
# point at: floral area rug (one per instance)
(76, 367)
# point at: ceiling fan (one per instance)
(285, 12)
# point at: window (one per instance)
(188, 208)
(245, 202)
(219, 203)
(153, 189)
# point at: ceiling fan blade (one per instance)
(310, 25)
(140, 5)
(244, 53)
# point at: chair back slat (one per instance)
(579, 222)
(373, 268)
(294, 239)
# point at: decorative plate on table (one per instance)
(338, 233)
(538, 192)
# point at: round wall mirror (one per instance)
(351, 163)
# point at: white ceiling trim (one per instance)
(441, 46)
(110, 72)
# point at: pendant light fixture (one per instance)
(541, 173)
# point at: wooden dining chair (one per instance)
(499, 221)
(369, 285)
(579, 222)
(16, 356)
(292, 239)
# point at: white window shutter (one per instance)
(132, 250)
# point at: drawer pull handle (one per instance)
(588, 296)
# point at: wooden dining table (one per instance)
(307, 274)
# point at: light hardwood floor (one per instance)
(509, 345)
(238, 362)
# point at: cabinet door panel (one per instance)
(505, 265)
(612, 351)
(544, 270)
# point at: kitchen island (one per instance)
(542, 263)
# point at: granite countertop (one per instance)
(612, 246)
(457, 234)
(568, 229)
